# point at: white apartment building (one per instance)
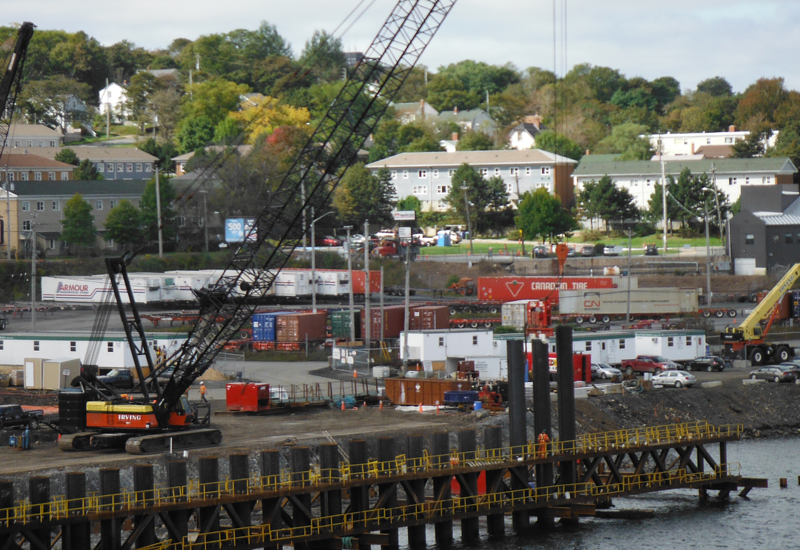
(708, 144)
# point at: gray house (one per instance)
(766, 233)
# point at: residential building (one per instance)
(351, 59)
(33, 167)
(414, 111)
(640, 177)
(427, 175)
(472, 120)
(523, 135)
(114, 163)
(27, 136)
(766, 232)
(39, 205)
(692, 143)
(181, 160)
(115, 98)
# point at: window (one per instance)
(484, 171)
(148, 167)
(394, 174)
(749, 238)
(727, 141)
(52, 143)
(23, 176)
(708, 142)
(26, 206)
(670, 342)
(120, 167)
(181, 221)
(51, 244)
(405, 174)
(513, 171)
(545, 170)
(110, 167)
(776, 238)
(26, 225)
(496, 171)
(475, 340)
(200, 221)
(36, 345)
(110, 243)
(98, 205)
(73, 346)
(11, 176)
(39, 205)
(767, 180)
(441, 341)
(442, 189)
(1, 346)
(422, 174)
(138, 166)
(587, 346)
(51, 176)
(527, 170)
(110, 347)
(622, 344)
(451, 172)
(101, 167)
(788, 238)
(688, 340)
(420, 189)
(508, 188)
(64, 176)
(56, 206)
(129, 167)
(112, 204)
(435, 172)
(731, 181)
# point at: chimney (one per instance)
(732, 128)
(455, 110)
(692, 151)
(536, 120)
(454, 136)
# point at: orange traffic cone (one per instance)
(437, 407)
(343, 407)
(420, 407)
(364, 406)
(355, 373)
(381, 406)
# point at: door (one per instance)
(30, 382)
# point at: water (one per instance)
(767, 518)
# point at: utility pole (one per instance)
(663, 191)
(628, 311)
(108, 113)
(469, 223)
(716, 198)
(350, 292)
(313, 266)
(305, 225)
(405, 316)
(8, 215)
(205, 217)
(708, 257)
(367, 336)
(33, 274)
(519, 201)
(158, 217)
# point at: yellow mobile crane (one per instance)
(750, 336)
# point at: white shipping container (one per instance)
(292, 284)
(653, 301)
(491, 368)
(515, 314)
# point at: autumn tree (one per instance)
(262, 115)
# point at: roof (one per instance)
(97, 154)
(476, 158)
(31, 130)
(469, 114)
(531, 124)
(32, 160)
(715, 151)
(790, 216)
(600, 165)
(124, 188)
(241, 149)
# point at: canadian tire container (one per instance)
(429, 318)
(393, 318)
(299, 327)
(413, 391)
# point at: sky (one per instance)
(690, 40)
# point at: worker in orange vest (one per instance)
(203, 391)
(543, 441)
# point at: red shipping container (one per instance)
(508, 289)
(429, 318)
(393, 320)
(249, 397)
(301, 327)
(359, 280)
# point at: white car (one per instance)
(677, 378)
(426, 241)
(386, 234)
(605, 371)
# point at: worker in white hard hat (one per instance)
(203, 391)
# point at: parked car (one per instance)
(328, 240)
(709, 363)
(427, 241)
(119, 379)
(386, 234)
(648, 363)
(776, 373)
(651, 250)
(357, 240)
(587, 250)
(539, 251)
(605, 371)
(612, 250)
(14, 416)
(677, 378)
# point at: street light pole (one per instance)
(205, 217)
(628, 311)
(367, 336)
(158, 217)
(469, 223)
(350, 291)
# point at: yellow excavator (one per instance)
(750, 336)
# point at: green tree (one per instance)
(323, 57)
(86, 171)
(195, 132)
(448, 92)
(625, 140)
(125, 59)
(486, 198)
(50, 101)
(754, 145)
(213, 99)
(361, 197)
(78, 223)
(149, 212)
(715, 86)
(67, 155)
(655, 205)
(410, 203)
(475, 141)
(165, 151)
(559, 144)
(541, 215)
(605, 201)
(124, 224)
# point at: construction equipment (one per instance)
(11, 82)
(267, 246)
(464, 286)
(749, 337)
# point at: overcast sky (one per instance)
(741, 40)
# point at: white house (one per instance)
(523, 135)
(427, 175)
(114, 97)
(708, 144)
(640, 177)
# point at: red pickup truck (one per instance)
(647, 363)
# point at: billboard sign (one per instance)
(404, 215)
(237, 228)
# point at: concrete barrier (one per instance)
(713, 384)
(741, 364)
(747, 381)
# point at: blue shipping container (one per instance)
(264, 326)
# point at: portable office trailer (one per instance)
(603, 347)
(677, 345)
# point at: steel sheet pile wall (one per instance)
(301, 326)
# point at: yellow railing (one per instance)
(93, 504)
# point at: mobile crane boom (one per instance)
(10, 82)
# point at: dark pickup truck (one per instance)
(14, 416)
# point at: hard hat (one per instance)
(202, 383)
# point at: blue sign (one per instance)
(237, 228)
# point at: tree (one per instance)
(410, 203)
(142, 86)
(624, 139)
(541, 215)
(124, 59)
(448, 92)
(486, 198)
(195, 132)
(55, 101)
(361, 197)
(86, 171)
(164, 107)
(605, 201)
(266, 115)
(716, 86)
(124, 224)
(213, 99)
(323, 57)
(149, 212)
(164, 150)
(78, 223)
(559, 144)
(754, 145)
(475, 141)
(67, 155)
